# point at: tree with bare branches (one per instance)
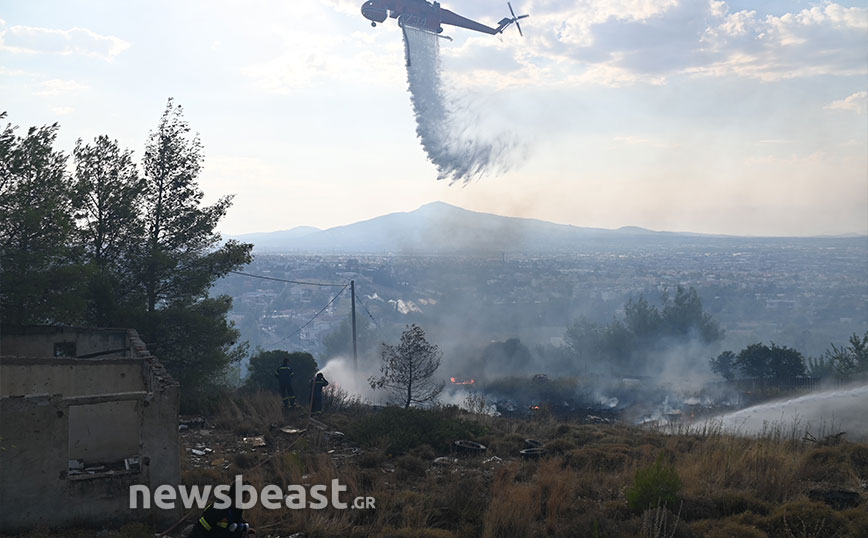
(408, 369)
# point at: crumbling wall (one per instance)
(53, 410)
(70, 377)
(40, 341)
(33, 447)
(36, 487)
(104, 432)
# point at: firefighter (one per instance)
(284, 375)
(222, 522)
(316, 386)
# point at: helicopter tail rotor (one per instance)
(515, 19)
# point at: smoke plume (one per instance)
(451, 129)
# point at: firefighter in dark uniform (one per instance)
(316, 386)
(284, 376)
(222, 522)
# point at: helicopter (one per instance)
(429, 16)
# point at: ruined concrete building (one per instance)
(84, 414)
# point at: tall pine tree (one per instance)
(181, 257)
(41, 279)
(109, 192)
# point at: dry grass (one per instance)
(732, 486)
(752, 488)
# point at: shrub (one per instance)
(732, 502)
(244, 460)
(858, 520)
(563, 429)
(693, 508)
(415, 533)
(425, 452)
(726, 529)
(402, 429)
(371, 460)
(610, 459)
(337, 399)
(805, 519)
(560, 446)
(661, 523)
(657, 483)
(859, 460)
(410, 466)
(827, 464)
(461, 505)
(505, 446)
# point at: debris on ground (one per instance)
(829, 440)
(469, 448)
(533, 453)
(255, 442)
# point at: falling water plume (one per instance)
(450, 134)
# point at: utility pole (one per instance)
(353, 310)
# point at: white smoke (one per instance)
(339, 371)
(840, 410)
(452, 130)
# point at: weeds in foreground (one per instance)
(656, 484)
(604, 481)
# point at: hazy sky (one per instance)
(731, 117)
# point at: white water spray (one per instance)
(820, 412)
(452, 134)
(340, 372)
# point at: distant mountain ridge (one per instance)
(275, 240)
(439, 227)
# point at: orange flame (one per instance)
(461, 381)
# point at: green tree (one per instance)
(200, 348)
(852, 360)
(770, 362)
(642, 320)
(144, 255)
(821, 367)
(724, 365)
(511, 356)
(108, 194)
(260, 374)
(181, 257)
(629, 343)
(683, 316)
(339, 342)
(42, 279)
(407, 370)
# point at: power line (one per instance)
(367, 311)
(335, 298)
(289, 281)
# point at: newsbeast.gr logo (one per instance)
(272, 497)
